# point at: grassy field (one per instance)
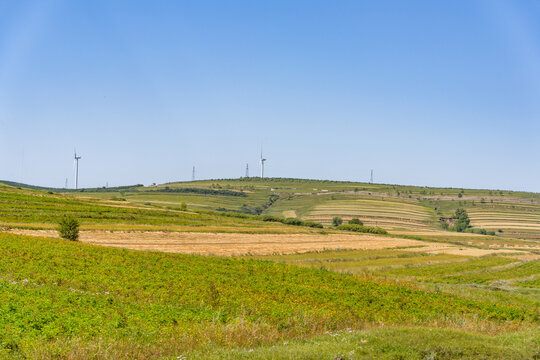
(22, 208)
(418, 293)
(398, 208)
(75, 300)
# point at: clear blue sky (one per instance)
(437, 93)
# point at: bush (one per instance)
(313, 224)
(363, 229)
(69, 229)
(271, 218)
(336, 221)
(183, 206)
(355, 221)
(293, 221)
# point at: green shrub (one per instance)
(336, 221)
(271, 218)
(355, 221)
(361, 228)
(313, 224)
(69, 229)
(183, 206)
(293, 221)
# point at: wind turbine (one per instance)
(262, 165)
(76, 170)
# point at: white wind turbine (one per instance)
(262, 164)
(76, 170)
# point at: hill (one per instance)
(280, 289)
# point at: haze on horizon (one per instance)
(425, 93)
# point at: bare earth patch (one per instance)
(289, 214)
(257, 244)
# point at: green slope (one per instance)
(70, 300)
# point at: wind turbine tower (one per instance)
(247, 170)
(371, 178)
(262, 165)
(76, 170)
(193, 174)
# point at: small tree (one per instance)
(355, 221)
(69, 229)
(336, 221)
(462, 221)
(183, 206)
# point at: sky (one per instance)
(428, 93)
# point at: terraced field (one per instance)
(514, 219)
(388, 214)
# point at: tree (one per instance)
(183, 206)
(355, 221)
(462, 221)
(69, 229)
(336, 221)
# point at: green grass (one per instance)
(437, 271)
(37, 209)
(61, 299)
(391, 344)
(361, 261)
(57, 296)
(494, 275)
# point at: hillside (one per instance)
(277, 290)
(79, 301)
(401, 209)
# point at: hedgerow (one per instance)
(362, 228)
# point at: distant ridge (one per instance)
(63, 190)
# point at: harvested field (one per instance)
(440, 248)
(388, 214)
(227, 244)
(231, 244)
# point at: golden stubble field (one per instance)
(227, 244)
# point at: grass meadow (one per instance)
(73, 300)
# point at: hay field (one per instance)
(230, 244)
(514, 219)
(387, 214)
